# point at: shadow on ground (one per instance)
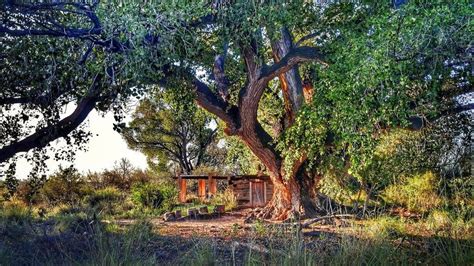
(82, 240)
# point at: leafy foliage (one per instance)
(170, 129)
(386, 66)
(158, 196)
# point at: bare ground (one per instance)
(232, 238)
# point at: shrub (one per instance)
(147, 195)
(418, 193)
(226, 198)
(15, 210)
(65, 186)
(159, 196)
(108, 194)
(170, 195)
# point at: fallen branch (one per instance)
(307, 223)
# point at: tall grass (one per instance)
(79, 238)
(381, 242)
(226, 198)
(70, 239)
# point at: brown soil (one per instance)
(228, 226)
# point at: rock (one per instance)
(177, 214)
(169, 216)
(219, 209)
(203, 210)
(192, 213)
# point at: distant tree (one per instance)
(119, 176)
(11, 185)
(64, 186)
(168, 128)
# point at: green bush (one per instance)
(418, 193)
(147, 195)
(108, 194)
(158, 196)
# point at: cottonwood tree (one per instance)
(232, 53)
(169, 128)
(364, 69)
(42, 74)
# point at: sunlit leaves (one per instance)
(385, 65)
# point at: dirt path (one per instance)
(231, 238)
(228, 226)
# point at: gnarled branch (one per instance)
(295, 56)
(213, 104)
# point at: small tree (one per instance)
(169, 128)
(64, 186)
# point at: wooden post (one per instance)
(182, 189)
(212, 183)
(202, 188)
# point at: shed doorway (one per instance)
(257, 194)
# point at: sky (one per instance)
(104, 148)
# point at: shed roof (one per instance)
(225, 177)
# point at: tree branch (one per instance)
(420, 122)
(219, 75)
(65, 126)
(295, 56)
(307, 37)
(213, 104)
(31, 14)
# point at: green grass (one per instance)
(74, 236)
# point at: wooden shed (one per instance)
(250, 190)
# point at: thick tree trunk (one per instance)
(294, 198)
(293, 192)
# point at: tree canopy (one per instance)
(306, 86)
